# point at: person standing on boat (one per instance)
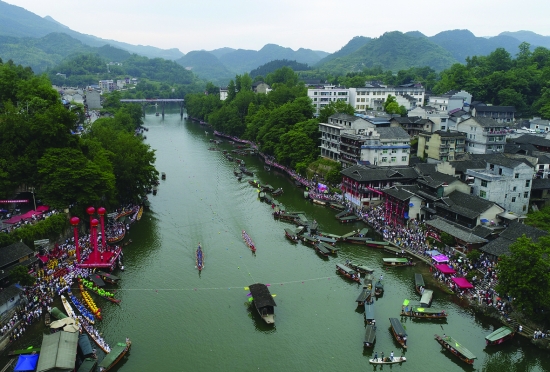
(376, 356)
(391, 356)
(381, 276)
(383, 357)
(405, 340)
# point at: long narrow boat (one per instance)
(319, 201)
(348, 219)
(332, 249)
(109, 278)
(248, 241)
(399, 332)
(426, 300)
(347, 212)
(98, 291)
(82, 309)
(419, 283)
(423, 312)
(376, 244)
(90, 303)
(357, 240)
(68, 308)
(308, 239)
(291, 235)
(325, 239)
(370, 336)
(321, 250)
(199, 258)
(348, 273)
(378, 288)
(337, 206)
(57, 314)
(140, 213)
(263, 301)
(364, 296)
(333, 236)
(367, 282)
(360, 268)
(397, 261)
(499, 336)
(369, 312)
(456, 348)
(117, 353)
(387, 360)
(96, 338)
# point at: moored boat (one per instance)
(348, 219)
(456, 348)
(397, 261)
(277, 192)
(308, 239)
(109, 278)
(419, 283)
(68, 308)
(360, 268)
(364, 296)
(99, 291)
(378, 288)
(263, 301)
(423, 312)
(96, 337)
(319, 201)
(499, 336)
(82, 309)
(321, 250)
(398, 332)
(426, 300)
(326, 239)
(332, 249)
(348, 273)
(291, 235)
(337, 206)
(370, 336)
(248, 241)
(199, 258)
(117, 353)
(376, 244)
(357, 240)
(89, 302)
(369, 312)
(387, 360)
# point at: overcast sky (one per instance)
(317, 24)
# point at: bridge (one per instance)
(156, 101)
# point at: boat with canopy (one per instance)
(499, 336)
(263, 302)
(399, 332)
(456, 348)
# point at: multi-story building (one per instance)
(413, 124)
(504, 181)
(440, 119)
(539, 125)
(320, 97)
(107, 85)
(450, 101)
(483, 135)
(501, 114)
(440, 145)
(373, 96)
(332, 131)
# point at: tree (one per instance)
(20, 274)
(335, 107)
(525, 276)
(539, 219)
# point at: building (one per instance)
(9, 298)
(468, 210)
(374, 95)
(542, 144)
(223, 94)
(413, 124)
(504, 181)
(465, 238)
(16, 254)
(107, 86)
(440, 145)
(362, 185)
(539, 125)
(501, 114)
(387, 147)
(401, 204)
(92, 99)
(501, 245)
(321, 97)
(483, 135)
(58, 351)
(449, 101)
(337, 125)
(261, 87)
(438, 118)
(540, 193)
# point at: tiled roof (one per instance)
(502, 160)
(483, 122)
(474, 203)
(495, 108)
(398, 193)
(373, 173)
(13, 253)
(514, 148)
(460, 232)
(8, 293)
(534, 140)
(444, 133)
(541, 184)
(391, 133)
(342, 116)
(463, 166)
(543, 159)
(501, 245)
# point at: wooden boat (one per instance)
(308, 239)
(246, 171)
(332, 249)
(344, 213)
(364, 296)
(248, 241)
(399, 332)
(90, 302)
(360, 268)
(348, 219)
(456, 348)
(499, 336)
(199, 258)
(370, 336)
(267, 168)
(369, 312)
(357, 240)
(57, 314)
(326, 239)
(337, 206)
(117, 238)
(82, 309)
(367, 282)
(419, 282)
(378, 288)
(263, 301)
(140, 213)
(376, 244)
(68, 308)
(332, 236)
(98, 291)
(268, 199)
(109, 278)
(291, 235)
(387, 360)
(277, 192)
(29, 350)
(397, 261)
(426, 300)
(321, 250)
(348, 273)
(423, 312)
(117, 353)
(94, 335)
(267, 188)
(261, 195)
(319, 201)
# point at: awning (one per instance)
(484, 220)
(508, 215)
(26, 362)
(462, 283)
(434, 252)
(42, 208)
(445, 269)
(440, 258)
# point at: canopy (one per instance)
(462, 283)
(445, 269)
(434, 252)
(484, 220)
(440, 258)
(42, 208)
(26, 216)
(26, 362)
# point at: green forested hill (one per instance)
(354, 44)
(207, 66)
(277, 64)
(393, 51)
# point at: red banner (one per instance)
(433, 234)
(7, 201)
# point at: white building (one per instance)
(440, 119)
(223, 94)
(373, 96)
(336, 126)
(320, 97)
(107, 86)
(483, 135)
(387, 147)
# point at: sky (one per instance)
(325, 25)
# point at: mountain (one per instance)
(207, 66)
(530, 37)
(270, 67)
(393, 51)
(415, 34)
(352, 45)
(463, 43)
(19, 22)
(222, 51)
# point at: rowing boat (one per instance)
(370, 336)
(98, 291)
(378, 288)
(117, 353)
(348, 273)
(88, 300)
(388, 361)
(263, 301)
(94, 335)
(68, 308)
(397, 261)
(82, 309)
(423, 312)
(248, 241)
(360, 268)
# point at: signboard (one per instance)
(7, 201)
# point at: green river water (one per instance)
(180, 320)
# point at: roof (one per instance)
(473, 202)
(503, 160)
(58, 351)
(260, 294)
(532, 139)
(8, 293)
(374, 173)
(13, 253)
(397, 327)
(444, 133)
(501, 245)
(393, 133)
(483, 122)
(499, 333)
(418, 280)
(398, 193)
(515, 148)
(464, 165)
(462, 233)
(343, 116)
(116, 350)
(481, 108)
(370, 333)
(458, 347)
(541, 184)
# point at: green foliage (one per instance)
(50, 228)
(335, 107)
(326, 168)
(447, 239)
(525, 276)
(20, 274)
(539, 219)
(473, 255)
(277, 64)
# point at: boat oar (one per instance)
(441, 327)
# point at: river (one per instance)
(180, 320)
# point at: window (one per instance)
(513, 199)
(515, 188)
(526, 194)
(527, 183)
(384, 151)
(403, 158)
(393, 159)
(541, 166)
(314, 93)
(442, 127)
(483, 183)
(482, 194)
(524, 207)
(394, 151)
(516, 175)
(384, 159)
(500, 171)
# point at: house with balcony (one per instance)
(501, 114)
(107, 86)
(362, 184)
(321, 97)
(413, 125)
(504, 181)
(374, 95)
(441, 146)
(483, 135)
(332, 131)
